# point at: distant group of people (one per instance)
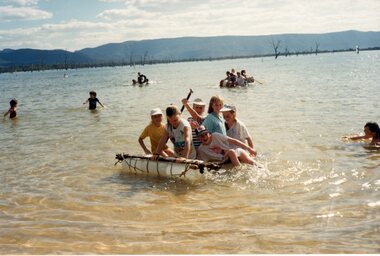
(219, 136)
(141, 79)
(235, 79)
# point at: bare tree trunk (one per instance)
(316, 48)
(275, 48)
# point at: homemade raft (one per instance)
(165, 166)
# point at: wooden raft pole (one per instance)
(198, 163)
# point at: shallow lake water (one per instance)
(314, 193)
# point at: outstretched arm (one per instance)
(85, 102)
(6, 113)
(192, 112)
(241, 145)
(364, 137)
(250, 141)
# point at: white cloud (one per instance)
(9, 13)
(113, 1)
(20, 2)
(149, 19)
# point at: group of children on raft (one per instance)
(235, 79)
(219, 136)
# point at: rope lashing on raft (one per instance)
(188, 163)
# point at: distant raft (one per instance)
(165, 166)
(228, 84)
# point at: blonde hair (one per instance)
(213, 100)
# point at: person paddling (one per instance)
(141, 79)
(196, 118)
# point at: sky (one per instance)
(77, 24)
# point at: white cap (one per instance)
(228, 107)
(155, 111)
(199, 102)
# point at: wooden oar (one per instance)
(258, 81)
(199, 163)
(188, 97)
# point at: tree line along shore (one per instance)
(66, 66)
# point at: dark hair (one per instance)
(13, 103)
(172, 111)
(93, 93)
(373, 127)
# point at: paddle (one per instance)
(188, 97)
(258, 81)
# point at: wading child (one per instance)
(371, 131)
(155, 131)
(92, 101)
(12, 110)
(218, 147)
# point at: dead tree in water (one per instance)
(316, 48)
(275, 48)
(145, 55)
(286, 52)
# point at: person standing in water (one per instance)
(92, 101)
(12, 110)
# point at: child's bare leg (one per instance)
(231, 154)
(246, 158)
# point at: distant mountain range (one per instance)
(190, 48)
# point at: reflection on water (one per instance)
(311, 192)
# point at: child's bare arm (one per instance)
(6, 113)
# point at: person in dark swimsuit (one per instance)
(92, 101)
(141, 78)
(12, 110)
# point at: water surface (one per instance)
(61, 193)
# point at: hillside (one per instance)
(188, 48)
